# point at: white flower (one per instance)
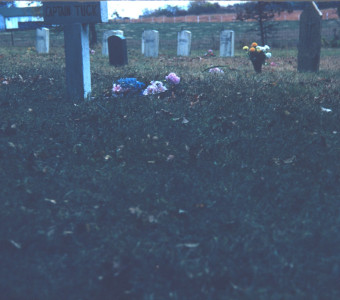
(266, 48)
(154, 88)
(216, 70)
(268, 55)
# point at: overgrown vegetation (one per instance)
(226, 187)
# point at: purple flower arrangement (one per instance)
(131, 85)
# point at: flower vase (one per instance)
(257, 64)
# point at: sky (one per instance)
(133, 9)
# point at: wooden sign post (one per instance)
(76, 17)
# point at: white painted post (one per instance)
(76, 17)
(106, 35)
(42, 40)
(226, 43)
(77, 58)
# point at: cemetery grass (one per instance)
(226, 187)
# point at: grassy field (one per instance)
(225, 187)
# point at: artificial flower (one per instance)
(216, 70)
(155, 87)
(116, 88)
(173, 78)
(258, 54)
(127, 85)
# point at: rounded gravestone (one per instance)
(117, 50)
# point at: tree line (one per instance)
(200, 7)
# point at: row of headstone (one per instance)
(76, 17)
(150, 43)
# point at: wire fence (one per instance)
(285, 35)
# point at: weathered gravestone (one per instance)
(183, 43)
(43, 40)
(143, 42)
(117, 50)
(150, 38)
(227, 43)
(106, 35)
(309, 46)
(76, 17)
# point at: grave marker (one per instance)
(227, 43)
(151, 43)
(106, 35)
(309, 45)
(76, 17)
(143, 42)
(43, 40)
(117, 50)
(183, 43)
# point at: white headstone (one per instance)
(151, 43)
(106, 35)
(183, 43)
(43, 40)
(143, 42)
(76, 17)
(227, 43)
